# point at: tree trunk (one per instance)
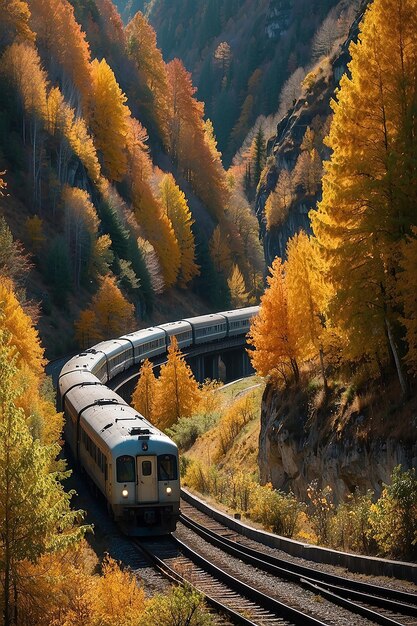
(400, 373)
(295, 369)
(323, 373)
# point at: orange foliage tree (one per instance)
(109, 314)
(81, 226)
(271, 334)
(15, 21)
(177, 391)
(308, 295)
(59, 33)
(109, 119)
(192, 144)
(141, 45)
(143, 397)
(148, 209)
(175, 205)
(62, 120)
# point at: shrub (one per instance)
(393, 518)
(187, 429)
(350, 527)
(277, 511)
(182, 606)
(321, 510)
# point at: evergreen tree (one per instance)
(258, 155)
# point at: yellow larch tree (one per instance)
(275, 350)
(34, 230)
(22, 64)
(175, 205)
(148, 209)
(220, 250)
(111, 315)
(35, 512)
(58, 32)
(109, 119)
(177, 391)
(22, 337)
(143, 397)
(62, 119)
(115, 598)
(279, 200)
(307, 295)
(101, 256)
(369, 186)
(15, 22)
(237, 288)
(86, 332)
(22, 341)
(142, 47)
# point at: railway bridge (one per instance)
(225, 360)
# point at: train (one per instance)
(130, 462)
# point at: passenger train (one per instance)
(132, 463)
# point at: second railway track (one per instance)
(368, 603)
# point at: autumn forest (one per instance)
(157, 164)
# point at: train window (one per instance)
(146, 468)
(125, 469)
(167, 467)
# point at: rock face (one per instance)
(278, 18)
(298, 444)
(313, 107)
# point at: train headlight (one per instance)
(169, 491)
(125, 493)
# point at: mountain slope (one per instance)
(240, 53)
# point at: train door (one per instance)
(147, 481)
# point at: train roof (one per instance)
(240, 314)
(112, 346)
(173, 328)
(86, 395)
(121, 427)
(72, 379)
(83, 361)
(144, 334)
(205, 320)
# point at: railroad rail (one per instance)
(229, 596)
(356, 596)
(352, 562)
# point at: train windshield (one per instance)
(167, 467)
(125, 469)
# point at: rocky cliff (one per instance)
(338, 441)
(310, 110)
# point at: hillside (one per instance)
(239, 52)
(115, 190)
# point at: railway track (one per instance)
(235, 601)
(378, 605)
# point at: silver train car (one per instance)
(131, 463)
